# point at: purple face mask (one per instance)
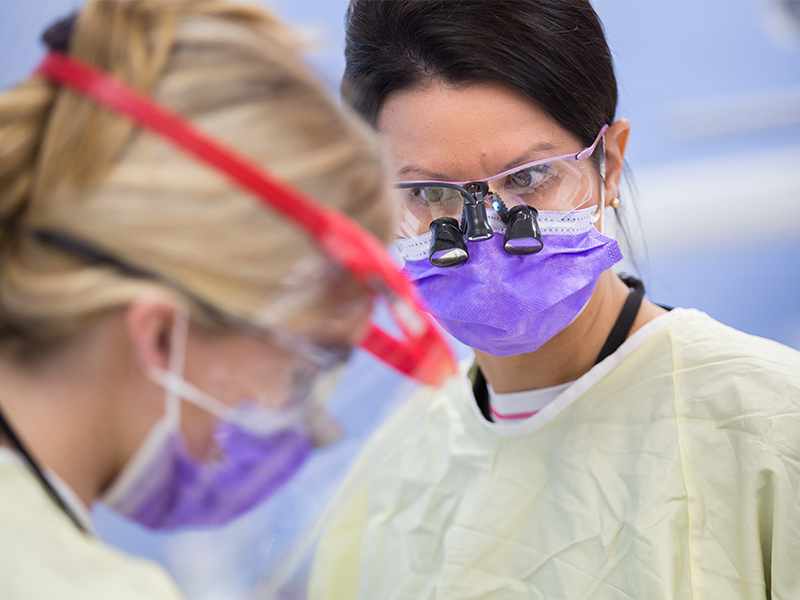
(503, 304)
(174, 490)
(163, 487)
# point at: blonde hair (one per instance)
(70, 166)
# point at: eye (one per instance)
(529, 177)
(433, 195)
(415, 197)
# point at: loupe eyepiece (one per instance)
(522, 231)
(475, 222)
(448, 248)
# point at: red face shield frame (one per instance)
(423, 355)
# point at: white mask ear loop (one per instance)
(177, 358)
(176, 388)
(603, 211)
(128, 490)
(602, 206)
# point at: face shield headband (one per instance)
(422, 355)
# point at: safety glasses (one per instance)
(422, 353)
(558, 183)
(312, 369)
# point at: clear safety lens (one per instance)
(313, 382)
(424, 204)
(310, 380)
(301, 371)
(560, 185)
(313, 377)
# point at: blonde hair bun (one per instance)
(68, 165)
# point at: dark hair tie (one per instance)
(58, 36)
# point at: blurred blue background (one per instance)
(712, 89)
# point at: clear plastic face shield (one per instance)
(291, 378)
(294, 387)
(246, 552)
(419, 351)
(456, 211)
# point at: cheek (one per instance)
(594, 194)
(261, 376)
(590, 191)
(255, 381)
(267, 380)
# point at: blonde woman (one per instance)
(161, 329)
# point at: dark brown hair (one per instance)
(552, 51)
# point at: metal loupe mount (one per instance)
(474, 222)
(449, 239)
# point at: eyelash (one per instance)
(543, 172)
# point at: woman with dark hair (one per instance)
(603, 447)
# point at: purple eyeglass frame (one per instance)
(580, 155)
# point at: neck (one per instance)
(573, 351)
(59, 407)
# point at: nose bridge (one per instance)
(491, 184)
(477, 188)
(478, 192)
(487, 192)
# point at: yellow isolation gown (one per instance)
(670, 470)
(43, 556)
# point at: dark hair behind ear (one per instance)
(552, 51)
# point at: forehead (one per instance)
(467, 132)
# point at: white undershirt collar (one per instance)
(583, 383)
(517, 406)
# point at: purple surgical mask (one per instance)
(506, 305)
(163, 487)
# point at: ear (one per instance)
(149, 326)
(616, 140)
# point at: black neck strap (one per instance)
(619, 333)
(622, 327)
(10, 434)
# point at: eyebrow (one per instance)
(539, 151)
(420, 174)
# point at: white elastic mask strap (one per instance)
(146, 467)
(177, 389)
(180, 389)
(177, 360)
(602, 150)
(251, 416)
(603, 215)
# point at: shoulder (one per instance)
(717, 358)
(731, 388)
(428, 409)
(407, 459)
(413, 442)
(706, 340)
(43, 555)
